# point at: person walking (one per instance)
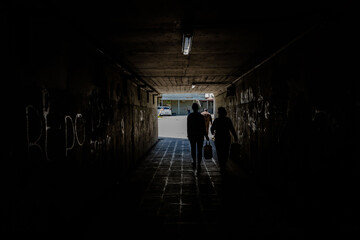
(208, 120)
(195, 133)
(222, 127)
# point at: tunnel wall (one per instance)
(75, 124)
(297, 118)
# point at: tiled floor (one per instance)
(176, 195)
(166, 198)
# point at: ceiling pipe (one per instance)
(133, 76)
(274, 54)
(208, 83)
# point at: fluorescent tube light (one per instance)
(186, 44)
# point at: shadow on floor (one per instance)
(166, 198)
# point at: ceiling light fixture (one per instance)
(186, 43)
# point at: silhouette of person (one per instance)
(195, 133)
(208, 119)
(222, 127)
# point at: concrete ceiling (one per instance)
(229, 37)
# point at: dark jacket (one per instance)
(222, 127)
(195, 125)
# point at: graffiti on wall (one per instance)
(252, 108)
(38, 128)
(76, 129)
(73, 127)
(100, 115)
(33, 136)
(37, 125)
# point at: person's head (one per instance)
(205, 109)
(195, 107)
(222, 111)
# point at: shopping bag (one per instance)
(208, 153)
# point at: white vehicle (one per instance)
(164, 111)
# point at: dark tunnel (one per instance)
(81, 152)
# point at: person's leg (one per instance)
(226, 153)
(199, 143)
(207, 127)
(221, 155)
(193, 151)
